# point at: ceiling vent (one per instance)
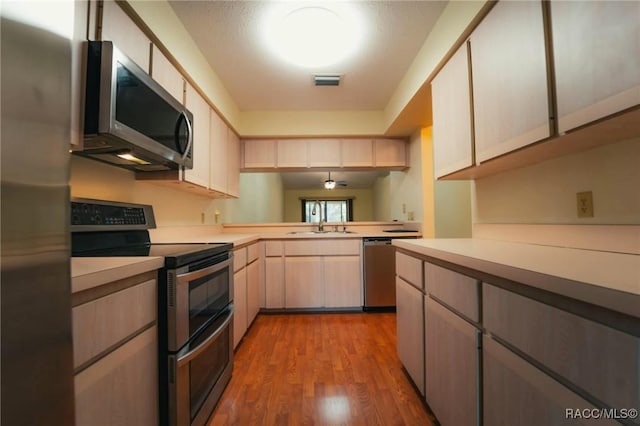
(326, 80)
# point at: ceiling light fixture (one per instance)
(313, 36)
(329, 183)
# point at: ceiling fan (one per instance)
(331, 184)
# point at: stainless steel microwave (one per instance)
(130, 120)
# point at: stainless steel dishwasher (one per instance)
(379, 274)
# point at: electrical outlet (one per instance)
(410, 216)
(202, 217)
(585, 204)
(404, 208)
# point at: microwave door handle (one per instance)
(189, 135)
(204, 345)
(190, 276)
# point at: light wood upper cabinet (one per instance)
(510, 89)
(596, 52)
(233, 163)
(451, 95)
(165, 73)
(218, 149)
(323, 152)
(390, 153)
(291, 153)
(357, 152)
(125, 34)
(199, 174)
(259, 153)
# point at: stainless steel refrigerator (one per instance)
(36, 340)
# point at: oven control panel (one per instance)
(108, 214)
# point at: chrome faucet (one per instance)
(313, 212)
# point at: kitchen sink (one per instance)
(319, 232)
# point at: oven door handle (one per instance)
(204, 345)
(190, 276)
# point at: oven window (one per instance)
(207, 367)
(208, 297)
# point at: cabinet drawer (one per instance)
(273, 248)
(458, 291)
(100, 324)
(515, 392)
(252, 252)
(323, 247)
(600, 360)
(239, 259)
(409, 269)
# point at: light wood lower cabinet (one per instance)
(239, 305)
(303, 277)
(253, 291)
(115, 345)
(320, 273)
(410, 330)
(342, 278)
(121, 388)
(274, 282)
(452, 366)
(600, 360)
(517, 393)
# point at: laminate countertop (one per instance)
(90, 272)
(610, 280)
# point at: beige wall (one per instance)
(545, 193)
(382, 199)
(447, 204)
(260, 196)
(362, 203)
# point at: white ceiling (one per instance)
(229, 35)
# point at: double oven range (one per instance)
(195, 303)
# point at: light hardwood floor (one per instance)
(320, 369)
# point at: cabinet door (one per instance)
(274, 282)
(517, 393)
(323, 152)
(239, 305)
(199, 174)
(259, 154)
(233, 165)
(292, 153)
(218, 149)
(357, 152)
(390, 153)
(125, 34)
(450, 93)
(410, 330)
(596, 50)
(508, 62)
(342, 281)
(253, 291)
(122, 387)
(167, 75)
(452, 368)
(303, 277)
